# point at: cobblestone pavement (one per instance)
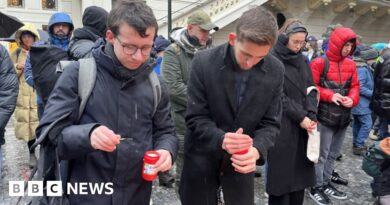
(358, 190)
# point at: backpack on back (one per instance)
(44, 60)
(49, 166)
(373, 160)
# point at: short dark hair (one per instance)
(257, 25)
(135, 13)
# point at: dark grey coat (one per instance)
(289, 169)
(211, 112)
(124, 106)
(8, 90)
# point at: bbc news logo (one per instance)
(55, 188)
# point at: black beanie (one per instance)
(96, 18)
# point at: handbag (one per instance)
(313, 142)
(313, 146)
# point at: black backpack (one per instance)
(44, 60)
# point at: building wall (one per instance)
(221, 36)
(32, 11)
(371, 28)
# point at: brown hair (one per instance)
(134, 13)
(257, 25)
(286, 24)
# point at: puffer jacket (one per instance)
(26, 113)
(8, 90)
(380, 102)
(342, 70)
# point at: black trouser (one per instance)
(29, 144)
(292, 198)
(199, 183)
(41, 107)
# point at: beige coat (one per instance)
(26, 113)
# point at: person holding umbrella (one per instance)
(26, 114)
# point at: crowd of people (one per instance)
(220, 111)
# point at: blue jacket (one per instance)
(158, 65)
(366, 81)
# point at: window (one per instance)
(15, 3)
(49, 4)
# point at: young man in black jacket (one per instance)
(118, 125)
(234, 112)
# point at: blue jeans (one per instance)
(361, 128)
(383, 129)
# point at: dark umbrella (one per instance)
(8, 25)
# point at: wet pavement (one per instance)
(15, 167)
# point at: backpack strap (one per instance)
(18, 51)
(87, 79)
(323, 77)
(156, 87)
(326, 67)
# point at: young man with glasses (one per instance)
(120, 106)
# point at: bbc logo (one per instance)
(35, 188)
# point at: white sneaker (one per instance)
(373, 136)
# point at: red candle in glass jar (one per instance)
(149, 172)
(242, 151)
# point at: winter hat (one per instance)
(95, 18)
(311, 38)
(367, 53)
(160, 44)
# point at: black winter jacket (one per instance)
(289, 151)
(8, 90)
(380, 102)
(94, 27)
(124, 104)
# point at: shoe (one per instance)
(33, 161)
(166, 179)
(358, 150)
(330, 190)
(339, 157)
(335, 178)
(373, 135)
(318, 195)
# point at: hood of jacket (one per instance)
(95, 19)
(84, 33)
(27, 27)
(180, 37)
(338, 39)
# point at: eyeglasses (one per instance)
(131, 49)
(300, 43)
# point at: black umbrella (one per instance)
(8, 25)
